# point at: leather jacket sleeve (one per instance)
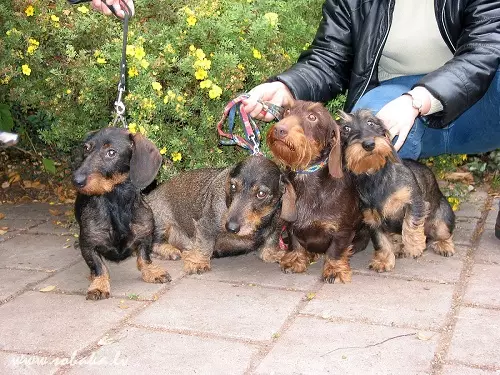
(464, 79)
(322, 72)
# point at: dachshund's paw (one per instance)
(166, 251)
(383, 261)
(444, 248)
(271, 254)
(294, 262)
(99, 289)
(195, 262)
(155, 274)
(336, 270)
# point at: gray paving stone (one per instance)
(484, 285)
(55, 226)
(21, 364)
(58, 323)
(464, 230)
(139, 351)
(492, 215)
(249, 312)
(314, 346)
(34, 211)
(15, 226)
(477, 337)
(384, 300)
(463, 370)
(126, 280)
(473, 205)
(428, 267)
(249, 269)
(488, 249)
(12, 281)
(38, 252)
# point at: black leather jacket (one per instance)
(347, 47)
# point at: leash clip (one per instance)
(255, 148)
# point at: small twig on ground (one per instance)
(369, 346)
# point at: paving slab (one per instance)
(14, 226)
(57, 323)
(384, 300)
(464, 230)
(430, 266)
(476, 339)
(13, 281)
(245, 312)
(492, 215)
(473, 205)
(488, 249)
(35, 210)
(463, 370)
(56, 226)
(21, 364)
(315, 346)
(249, 269)
(484, 285)
(140, 351)
(37, 252)
(126, 281)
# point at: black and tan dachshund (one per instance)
(307, 142)
(218, 212)
(399, 197)
(115, 221)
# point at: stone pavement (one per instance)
(433, 315)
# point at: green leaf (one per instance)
(49, 165)
(6, 120)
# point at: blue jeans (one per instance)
(476, 131)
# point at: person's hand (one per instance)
(274, 92)
(118, 5)
(398, 116)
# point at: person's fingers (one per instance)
(401, 138)
(100, 6)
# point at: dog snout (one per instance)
(79, 180)
(232, 226)
(280, 131)
(368, 144)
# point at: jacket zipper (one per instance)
(379, 50)
(445, 29)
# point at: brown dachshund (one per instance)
(307, 142)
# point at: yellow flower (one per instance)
(192, 48)
(132, 127)
(272, 18)
(180, 99)
(33, 42)
(257, 54)
(165, 99)
(200, 55)
(31, 50)
(191, 21)
(26, 69)
(30, 11)
(139, 53)
(68, 91)
(241, 67)
(215, 92)
(130, 50)
(54, 18)
(176, 156)
(142, 130)
(171, 94)
(169, 48)
(201, 74)
(163, 151)
(132, 72)
(83, 9)
(144, 64)
(202, 64)
(101, 60)
(156, 86)
(205, 84)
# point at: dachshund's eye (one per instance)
(261, 194)
(232, 188)
(287, 112)
(111, 153)
(347, 128)
(370, 123)
(87, 147)
(312, 117)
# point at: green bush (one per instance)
(186, 60)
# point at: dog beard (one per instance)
(359, 161)
(295, 151)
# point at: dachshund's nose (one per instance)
(232, 227)
(280, 131)
(368, 144)
(79, 180)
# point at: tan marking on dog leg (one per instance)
(442, 241)
(195, 262)
(372, 218)
(295, 261)
(99, 288)
(383, 258)
(152, 273)
(414, 239)
(338, 269)
(396, 202)
(270, 254)
(397, 244)
(166, 251)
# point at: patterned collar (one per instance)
(314, 167)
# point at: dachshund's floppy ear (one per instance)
(288, 208)
(335, 158)
(145, 161)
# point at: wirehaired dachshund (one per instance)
(397, 196)
(114, 219)
(219, 212)
(307, 142)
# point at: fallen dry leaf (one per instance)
(49, 288)
(14, 178)
(459, 176)
(2, 232)
(310, 296)
(5, 185)
(27, 184)
(2, 216)
(55, 212)
(423, 337)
